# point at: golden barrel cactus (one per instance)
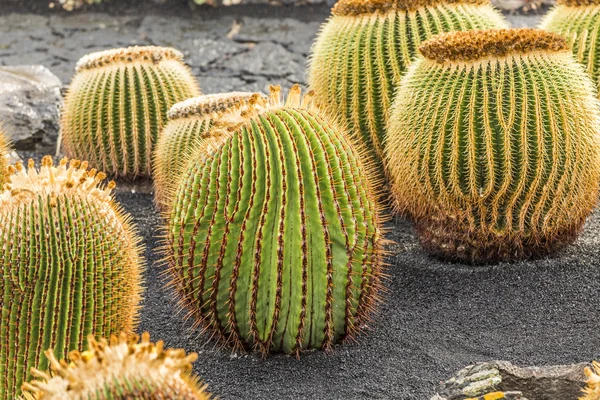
(3, 160)
(592, 391)
(117, 104)
(579, 22)
(274, 241)
(120, 369)
(365, 47)
(198, 122)
(70, 266)
(494, 145)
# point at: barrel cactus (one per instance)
(493, 145)
(70, 265)
(191, 122)
(117, 104)
(578, 21)
(123, 368)
(3, 159)
(274, 242)
(592, 391)
(365, 47)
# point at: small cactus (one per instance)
(70, 265)
(118, 103)
(274, 241)
(578, 21)
(3, 160)
(121, 369)
(365, 47)
(592, 391)
(191, 122)
(493, 145)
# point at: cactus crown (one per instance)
(122, 362)
(479, 44)
(151, 54)
(358, 7)
(67, 177)
(578, 3)
(592, 391)
(206, 105)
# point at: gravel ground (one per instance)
(438, 318)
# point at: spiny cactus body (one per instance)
(493, 145)
(118, 103)
(121, 369)
(366, 46)
(70, 266)
(191, 123)
(274, 242)
(579, 22)
(592, 391)
(3, 160)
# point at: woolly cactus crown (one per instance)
(3, 161)
(150, 54)
(358, 7)
(124, 366)
(592, 391)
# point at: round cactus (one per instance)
(577, 20)
(366, 46)
(117, 104)
(121, 369)
(493, 145)
(191, 122)
(274, 242)
(3, 160)
(70, 265)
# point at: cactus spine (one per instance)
(121, 369)
(365, 47)
(70, 265)
(592, 391)
(191, 123)
(118, 103)
(579, 22)
(274, 242)
(493, 145)
(3, 160)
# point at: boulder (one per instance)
(30, 100)
(503, 380)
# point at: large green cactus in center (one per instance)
(274, 240)
(494, 145)
(365, 47)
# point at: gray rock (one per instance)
(30, 100)
(535, 383)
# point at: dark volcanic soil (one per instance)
(438, 317)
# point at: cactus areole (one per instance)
(493, 145)
(201, 122)
(120, 369)
(365, 47)
(274, 241)
(70, 266)
(578, 21)
(117, 104)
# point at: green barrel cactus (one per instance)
(494, 146)
(579, 22)
(70, 266)
(123, 368)
(191, 123)
(365, 47)
(117, 104)
(274, 242)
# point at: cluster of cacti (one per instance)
(3, 160)
(274, 241)
(70, 266)
(494, 145)
(366, 46)
(592, 391)
(578, 21)
(120, 369)
(190, 124)
(117, 104)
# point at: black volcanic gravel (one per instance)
(438, 317)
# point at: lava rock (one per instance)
(503, 378)
(30, 100)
